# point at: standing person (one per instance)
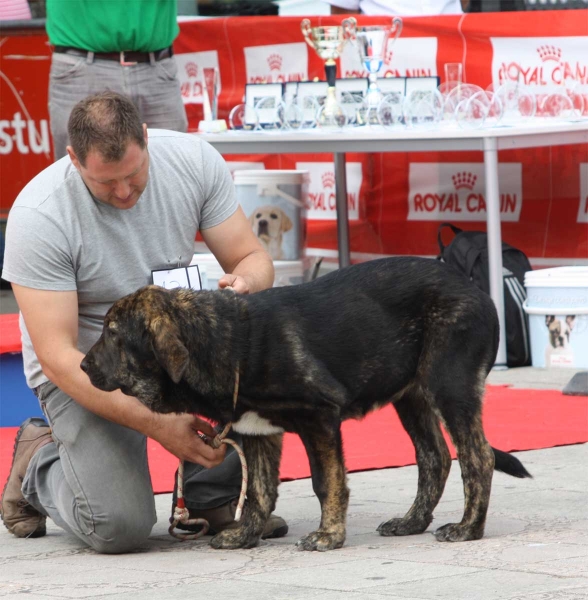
(86, 231)
(402, 8)
(125, 47)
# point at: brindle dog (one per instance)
(409, 332)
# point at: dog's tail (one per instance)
(507, 463)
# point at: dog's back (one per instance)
(390, 322)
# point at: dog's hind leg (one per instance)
(433, 460)
(460, 406)
(329, 481)
(263, 455)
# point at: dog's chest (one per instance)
(250, 423)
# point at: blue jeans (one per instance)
(94, 481)
(153, 87)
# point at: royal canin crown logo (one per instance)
(548, 52)
(328, 179)
(275, 62)
(464, 180)
(192, 69)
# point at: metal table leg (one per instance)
(342, 214)
(495, 241)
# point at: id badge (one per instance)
(180, 277)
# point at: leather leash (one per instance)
(181, 513)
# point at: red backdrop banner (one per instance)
(396, 200)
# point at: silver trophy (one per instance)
(328, 43)
(372, 44)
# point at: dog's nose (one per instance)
(263, 222)
(84, 365)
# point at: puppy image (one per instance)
(558, 352)
(410, 332)
(269, 225)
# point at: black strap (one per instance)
(453, 228)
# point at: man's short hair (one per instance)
(106, 122)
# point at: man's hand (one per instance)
(236, 282)
(248, 266)
(178, 434)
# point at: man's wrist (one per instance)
(149, 424)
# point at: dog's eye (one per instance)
(258, 216)
(273, 215)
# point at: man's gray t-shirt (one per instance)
(59, 237)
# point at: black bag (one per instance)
(468, 253)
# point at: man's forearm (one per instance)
(64, 371)
(176, 433)
(257, 269)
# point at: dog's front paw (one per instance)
(321, 541)
(404, 526)
(230, 539)
(456, 532)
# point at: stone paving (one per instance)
(535, 548)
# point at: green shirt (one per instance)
(112, 25)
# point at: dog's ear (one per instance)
(570, 320)
(549, 319)
(286, 222)
(252, 218)
(171, 354)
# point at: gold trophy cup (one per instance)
(328, 42)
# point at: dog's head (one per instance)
(140, 350)
(270, 222)
(559, 330)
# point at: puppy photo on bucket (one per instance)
(558, 350)
(410, 332)
(269, 225)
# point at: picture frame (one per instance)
(254, 93)
(318, 89)
(392, 85)
(311, 96)
(290, 91)
(353, 86)
(420, 84)
(351, 94)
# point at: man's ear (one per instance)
(73, 157)
(169, 350)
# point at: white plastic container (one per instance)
(288, 272)
(557, 305)
(275, 204)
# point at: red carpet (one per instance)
(514, 419)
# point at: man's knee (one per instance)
(121, 533)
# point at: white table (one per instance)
(375, 139)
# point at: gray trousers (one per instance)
(94, 481)
(153, 87)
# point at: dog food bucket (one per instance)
(288, 272)
(557, 305)
(275, 204)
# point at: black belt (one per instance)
(124, 58)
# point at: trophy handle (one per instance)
(396, 28)
(349, 28)
(307, 32)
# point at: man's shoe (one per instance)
(223, 517)
(19, 517)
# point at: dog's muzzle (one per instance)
(262, 228)
(96, 377)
